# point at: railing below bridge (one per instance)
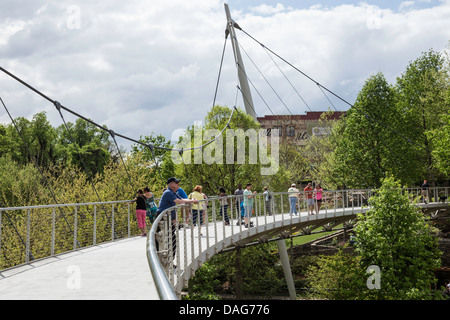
(181, 239)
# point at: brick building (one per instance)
(297, 128)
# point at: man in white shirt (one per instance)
(293, 199)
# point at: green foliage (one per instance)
(22, 185)
(441, 140)
(202, 286)
(395, 236)
(84, 145)
(163, 165)
(396, 129)
(215, 172)
(372, 142)
(19, 184)
(422, 100)
(260, 275)
(337, 277)
(35, 143)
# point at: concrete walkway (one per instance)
(117, 270)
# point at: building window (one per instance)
(280, 130)
(290, 132)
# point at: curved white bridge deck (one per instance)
(115, 270)
(125, 269)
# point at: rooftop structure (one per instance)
(298, 128)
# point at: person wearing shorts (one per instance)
(318, 194)
(309, 198)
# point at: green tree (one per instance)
(441, 141)
(162, 166)
(217, 172)
(371, 143)
(319, 151)
(202, 286)
(29, 141)
(395, 236)
(422, 93)
(20, 185)
(84, 145)
(259, 269)
(337, 277)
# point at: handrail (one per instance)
(46, 206)
(183, 244)
(36, 232)
(163, 285)
(20, 230)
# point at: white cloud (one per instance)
(267, 9)
(143, 66)
(406, 5)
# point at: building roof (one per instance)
(310, 115)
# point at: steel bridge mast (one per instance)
(245, 89)
(249, 108)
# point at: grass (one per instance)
(311, 237)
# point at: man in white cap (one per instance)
(293, 199)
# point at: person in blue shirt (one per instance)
(184, 211)
(170, 199)
(182, 193)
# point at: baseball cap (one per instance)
(172, 179)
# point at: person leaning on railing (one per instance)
(170, 199)
(141, 211)
(197, 209)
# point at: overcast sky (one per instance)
(151, 66)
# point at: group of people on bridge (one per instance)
(173, 195)
(313, 198)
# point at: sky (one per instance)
(152, 66)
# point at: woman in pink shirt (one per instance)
(318, 194)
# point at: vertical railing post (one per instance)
(205, 220)
(94, 235)
(214, 220)
(129, 219)
(52, 250)
(0, 232)
(75, 229)
(177, 259)
(27, 243)
(169, 223)
(112, 222)
(185, 242)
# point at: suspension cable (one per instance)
(60, 106)
(38, 167)
(368, 116)
(262, 75)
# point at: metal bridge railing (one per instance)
(177, 247)
(35, 232)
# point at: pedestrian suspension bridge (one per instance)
(159, 265)
(89, 251)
